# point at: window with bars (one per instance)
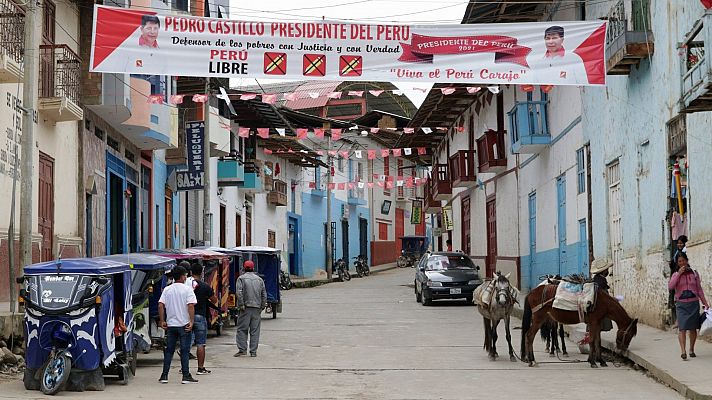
(382, 231)
(271, 239)
(581, 170)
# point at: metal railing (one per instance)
(529, 118)
(617, 22)
(12, 30)
(60, 72)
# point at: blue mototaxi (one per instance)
(77, 315)
(148, 279)
(267, 262)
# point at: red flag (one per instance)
(370, 184)
(547, 88)
(312, 185)
(381, 184)
(396, 152)
(335, 134)
(155, 99)
(290, 96)
(375, 130)
(385, 152)
(447, 90)
(371, 154)
(243, 132)
(357, 93)
(177, 99)
(331, 186)
(421, 151)
(376, 93)
(335, 95)
(409, 182)
(200, 98)
(269, 98)
(318, 132)
(247, 96)
(351, 185)
(344, 154)
(268, 151)
(341, 186)
(319, 153)
(473, 89)
(389, 185)
(460, 129)
(527, 88)
(408, 130)
(263, 133)
(301, 133)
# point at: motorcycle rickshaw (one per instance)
(267, 265)
(147, 282)
(77, 324)
(216, 273)
(412, 248)
(234, 272)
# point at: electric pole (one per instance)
(31, 63)
(207, 220)
(329, 250)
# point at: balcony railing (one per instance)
(491, 154)
(12, 30)
(696, 67)
(462, 168)
(626, 43)
(431, 205)
(441, 185)
(357, 196)
(60, 72)
(230, 173)
(253, 181)
(529, 126)
(278, 195)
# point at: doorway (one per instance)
(561, 223)
(345, 240)
(168, 218)
(248, 228)
(491, 237)
(132, 208)
(532, 236)
(238, 230)
(400, 227)
(145, 198)
(46, 205)
(223, 225)
(363, 236)
(89, 204)
(583, 248)
(115, 228)
(465, 231)
(294, 248)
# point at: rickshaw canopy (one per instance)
(78, 266)
(205, 254)
(143, 261)
(257, 249)
(170, 253)
(222, 250)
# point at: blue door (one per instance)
(294, 247)
(532, 237)
(561, 225)
(583, 248)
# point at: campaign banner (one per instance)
(192, 178)
(545, 53)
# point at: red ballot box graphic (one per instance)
(314, 65)
(350, 65)
(275, 63)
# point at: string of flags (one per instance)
(370, 154)
(381, 181)
(337, 133)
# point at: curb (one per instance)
(310, 283)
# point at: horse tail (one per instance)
(526, 324)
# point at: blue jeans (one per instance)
(173, 334)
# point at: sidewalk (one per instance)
(658, 352)
(312, 282)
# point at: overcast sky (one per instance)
(367, 11)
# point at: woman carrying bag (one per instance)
(688, 295)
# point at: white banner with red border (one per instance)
(545, 53)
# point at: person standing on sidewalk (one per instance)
(251, 300)
(205, 296)
(688, 294)
(176, 309)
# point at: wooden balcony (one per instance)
(628, 41)
(60, 77)
(696, 67)
(431, 206)
(441, 185)
(278, 195)
(491, 154)
(529, 127)
(12, 42)
(462, 168)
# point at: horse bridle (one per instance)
(625, 332)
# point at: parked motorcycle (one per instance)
(361, 265)
(342, 268)
(285, 281)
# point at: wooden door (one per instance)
(491, 237)
(400, 225)
(238, 230)
(223, 224)
(169, 219)
(248, 230)
(46, 205)
(465, 231)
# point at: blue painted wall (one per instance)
(547, 262)
(313, 239)
(160, 174)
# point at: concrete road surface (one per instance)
(369, 339)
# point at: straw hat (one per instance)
(600, 265)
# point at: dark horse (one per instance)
(538, 309)
(549, 331)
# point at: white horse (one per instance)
(495, 300)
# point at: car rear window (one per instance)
(438, 263)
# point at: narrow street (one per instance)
(369, 339)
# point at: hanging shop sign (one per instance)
(552, 53)
(416, 213)
(447, 218)
(192, 178)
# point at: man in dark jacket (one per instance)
(251, 300)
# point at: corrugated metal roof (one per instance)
(323, 88)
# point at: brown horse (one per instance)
(538, 308)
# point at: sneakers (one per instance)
(188, 379)
(240, 353)
(253, 354)
(203, 371)
(163, 378)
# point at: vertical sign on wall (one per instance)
(192, 178)
(416, 212)
(447, 218)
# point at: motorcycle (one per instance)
(361, 265)
(285, 281)
(343, 270)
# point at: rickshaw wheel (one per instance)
(55, 374)
(133, 362)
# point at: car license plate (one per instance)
(455, 291)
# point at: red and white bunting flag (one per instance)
(302, 133)
(351, 185)
(342, 186)
(441, 128)
(391, 178)
(381, 184)
(290, 151)
(447, 90)
(370, 184)
(263, 133)
(397, 92)
(268, 151)
(385, 152)
(333, 153)
(313, 95)
(409, 182)
(290, 96)
(426, 130)
(389, 185)
(421, 151)
(376, 92)
(177, 99)
(396, 152)
(200, 98)
(371, 154)
(374, 130)
(392, 129)
(335, 134)
(155, 99)
(473, 89)
(460, 129)
(331, 186)
(357, 153)
(248, 96)
(318, 132)
(319, 153)
(344, 154)
(399, 183)
(357, 93)
(527, 88)
(547, 88)
(407, 151)
(361, 185)
(408, 130)
(424, 90)
(269, 98)
(493, 89)
(312, 185)
(376, 177)
(335, 95)
(243, 132)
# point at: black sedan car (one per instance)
(445, 275)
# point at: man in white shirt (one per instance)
(176, 311)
